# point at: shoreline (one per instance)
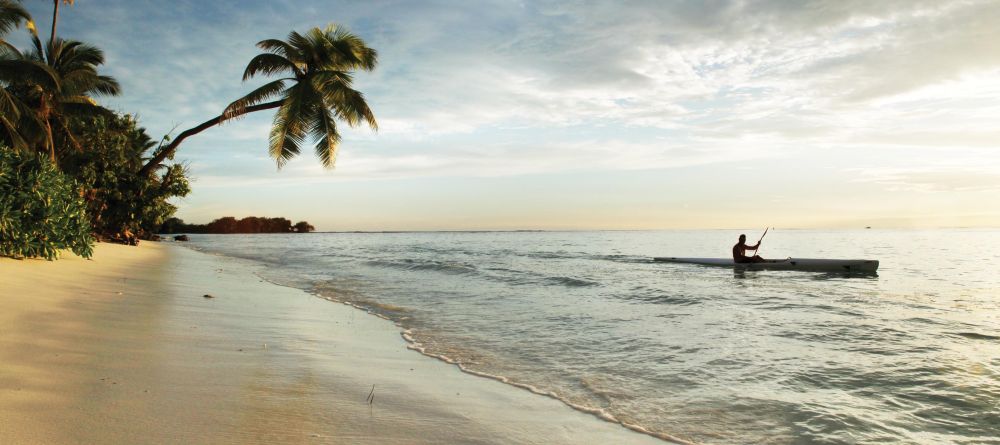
(414, 345)
(126, 349)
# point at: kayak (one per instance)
(804, 264)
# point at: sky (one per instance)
(586, 114)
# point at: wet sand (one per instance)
(126, 349)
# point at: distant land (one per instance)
(229, 224)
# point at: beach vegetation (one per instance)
(42, 209)
(312, 92)
(124, 179)
(122, 205)
(48, 105)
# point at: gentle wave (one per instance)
(426, 265)
(512, 276)
(600, 413)
(976, 335)
(396, 315)
(572, 282)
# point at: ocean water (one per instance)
(709, 355)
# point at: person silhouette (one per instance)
(740, 252)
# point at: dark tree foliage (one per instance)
(122, 204)
(229, 224)
(41, 210)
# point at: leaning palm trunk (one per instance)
(314, 93)
(170, 148)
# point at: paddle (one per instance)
(757, 252)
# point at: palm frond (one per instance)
(106, 86)
(12, 14)
(56, 49)
(288, 128)
(76, 63)
(349, 104)
(279, 47)
(266, 92)
(29, 72)
(13, 134)
(73, 54)
(78, 81)
(351, 51)
(9, 51)
(79, 100)
(10, 105)
(324, 131)
(38, 49)
(304, 48)
(269, 64)
(86, 107)
(30, 129)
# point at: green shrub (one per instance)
(118, 199)
(41, 210)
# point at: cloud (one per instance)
(495, 88)
(934, 179)
(450, 67)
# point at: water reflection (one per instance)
(742, 273)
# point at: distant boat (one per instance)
(803, 264)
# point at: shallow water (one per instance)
(911, 355)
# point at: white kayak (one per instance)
(805, 264)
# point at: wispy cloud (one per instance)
(500, 88)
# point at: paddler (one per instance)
(740, 251)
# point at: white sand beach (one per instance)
(126, 349)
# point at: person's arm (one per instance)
(754, 247)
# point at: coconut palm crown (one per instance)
(54, 81)
(313, 92)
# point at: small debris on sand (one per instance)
(207, 296)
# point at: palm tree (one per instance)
(313, 92)
(56, 81)
(12, 14)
